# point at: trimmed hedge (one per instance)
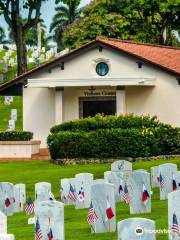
(16, 136)
(108, 122)
(115, 142)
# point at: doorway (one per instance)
(90, 106)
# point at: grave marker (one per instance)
(136, 229)
(166, 173)
(50, 215)
(140, 192)
(103, 200)
(121, 165)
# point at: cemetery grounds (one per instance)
(76, 226)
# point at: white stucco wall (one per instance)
(38, 112)
(161, 100)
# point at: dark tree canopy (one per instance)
(19, 24)
(151, 21)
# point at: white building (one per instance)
(107, 76)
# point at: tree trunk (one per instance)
(20, 39)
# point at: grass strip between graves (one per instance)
(76, 226)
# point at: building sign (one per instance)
(94, 92)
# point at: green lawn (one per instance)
(75, 220)
(5, 111)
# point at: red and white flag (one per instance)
(109, 212)
(145, 195)
(7, 201)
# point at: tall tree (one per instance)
(157, 19)
(20, 24)
(32, 36)
(151, 21)
(66, 13)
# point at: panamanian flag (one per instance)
(145, 195)
(81, 194)
(174, 184)
(109, 212)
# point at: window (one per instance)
(102, 69)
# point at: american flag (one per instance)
(29, 209)
(161, 181)
(72, 194)
(38, 232)
(175, 227)
(92, 216)
(126, 195)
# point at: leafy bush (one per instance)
(16, 136)
(105, 137)
(108, 122)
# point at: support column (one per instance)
(120, 101)
(59, 92)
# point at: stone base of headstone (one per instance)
(7, 236)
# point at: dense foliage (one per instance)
(16, 136)
(123, 136)
(140, 20)
(108, 122)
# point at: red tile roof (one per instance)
(165, 57)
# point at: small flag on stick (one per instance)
(92, 216)
(29, 209)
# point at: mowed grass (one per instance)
(76, 226)
(5, 112)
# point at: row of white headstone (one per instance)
(101, 195)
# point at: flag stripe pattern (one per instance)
(72, 194)
(29, 209)
(92, 216)
(161, 181)
(38, 232)
(126, 195)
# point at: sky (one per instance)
(47, 12)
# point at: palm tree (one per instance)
(3, 39)
(66, 13)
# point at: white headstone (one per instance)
(14, 114)
(3, 223)
(167, 171)
(11, 125)
(42, 191)
(8, 100)
(100, 181)
(173, 213)
(103, 200)
(19, 196)
(64, 190)
(83, 186)
(50, 215)
(7, 236)
(118, 179)
(121, 165)
(139, 184)
(177, 178)
(136, 229)
(7, 198)
(155, 176)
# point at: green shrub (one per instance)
(16, 136)
(108, 122)
(105, 137)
